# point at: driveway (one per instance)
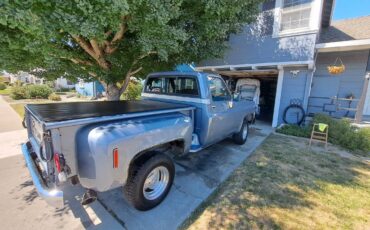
(197, 176)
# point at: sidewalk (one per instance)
(9, 119)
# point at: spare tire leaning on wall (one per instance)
(294, 113)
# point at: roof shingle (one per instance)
(345, 30)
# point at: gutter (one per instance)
(351, 45)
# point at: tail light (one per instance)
(59, 162)
(115, 158)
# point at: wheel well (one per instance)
(175, 147)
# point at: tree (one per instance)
(112, 40)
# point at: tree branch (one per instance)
(122, 29)
(79, 61)
(84, 45)
(96, 48)
(111, 46)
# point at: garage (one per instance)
(260, 83)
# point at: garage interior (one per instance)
(268, 84)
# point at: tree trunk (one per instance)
(113, 92)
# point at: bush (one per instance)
(295, 130)
(132, 92)
(54, 97)
(2, 86)
(30, 91)
(38, 91)
(341, 133)
(18, 92)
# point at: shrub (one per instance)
(30, 91)
(18, 92)
(2, 86)
(38, 91)
(54, 97)
(341, 133)
(295, 130)
(132, 92)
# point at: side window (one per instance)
(218, 89)
(155, 85)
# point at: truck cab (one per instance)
(218, 113)
(105, 145)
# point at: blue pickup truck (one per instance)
(129, 144)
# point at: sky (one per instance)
(351, 9)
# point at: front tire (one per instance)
(150, 182)
(241, 137)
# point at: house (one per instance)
(289, 48)
(89, 89)
(63, 83)
(24, 77)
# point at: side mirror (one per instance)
(235, 96)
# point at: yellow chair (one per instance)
(320, 133)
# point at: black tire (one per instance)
(133, 189)
(238, 137)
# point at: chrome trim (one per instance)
(53, 197)
(177, 98)
(58, 124)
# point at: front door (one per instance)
(221, 121)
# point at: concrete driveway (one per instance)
(197, 176)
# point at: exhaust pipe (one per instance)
(89, 197)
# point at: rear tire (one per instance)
(241, 137)
(149, 183)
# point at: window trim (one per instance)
(174, 94)
(314, 20)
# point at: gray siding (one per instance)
(294, 87)
(349, 82)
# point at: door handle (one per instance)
(213, 106)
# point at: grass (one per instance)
(19, 108)
(285, 185)
(5, 91)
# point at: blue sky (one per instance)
(351, 9)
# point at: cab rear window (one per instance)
(173, 85)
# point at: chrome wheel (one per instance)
(245, 132)
(156, 183)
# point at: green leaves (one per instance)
(114, 34)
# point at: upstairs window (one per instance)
(295, 14)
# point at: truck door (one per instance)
(221, 123)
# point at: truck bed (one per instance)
(55, 112)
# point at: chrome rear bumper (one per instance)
(53, 197)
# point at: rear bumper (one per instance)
(53, 197)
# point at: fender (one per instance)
(95, 145)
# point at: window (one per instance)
(295, 14)
(180, 85)
(218, 89)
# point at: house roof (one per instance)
(346, 30)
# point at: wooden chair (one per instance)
(320, 133)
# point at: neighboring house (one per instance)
(288, 50)
(89, 89)
(24, 77)
(63, 83)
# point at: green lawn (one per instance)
(5, 91)
(285, 185)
